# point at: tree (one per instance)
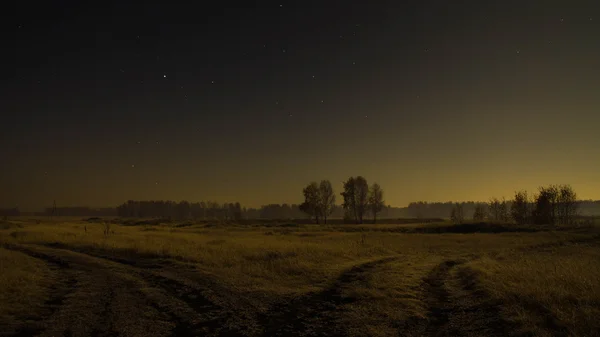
(457, 215)
(567, 205)
(237, 213)
(519, 210)
(494, 207)
(312, 201)
(361, 190)
(356, 197)
(503, 211)
(376, 202)
(480, 213)
(349, 203)
(546, 204)
(327, 199)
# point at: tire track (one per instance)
(114, 300)
(315, 315)
(456, 308)
(437, 298)
(194, 289)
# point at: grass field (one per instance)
(65, 276)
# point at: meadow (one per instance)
(129, 277)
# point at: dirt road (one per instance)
(98, 295)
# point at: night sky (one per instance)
(434, 100)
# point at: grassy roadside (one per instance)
(547, 291)
(24, 286)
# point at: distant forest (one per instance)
(233, 211)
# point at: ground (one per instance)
(85, 277)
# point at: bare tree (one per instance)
(457, 215)
(349, 203)
(519, 209)
(567, 205)
(327, 199)
(494, 207)
(312, 201)
(480, 213)
(356, 197)
(504, 216)
(546, 204)
(376, 202)
(361, 197)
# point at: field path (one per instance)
(456, 308)
(99, 297)
(315, 314)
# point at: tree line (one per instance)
(552, 205)
(180, 210)
(352, 209)
(359, 199)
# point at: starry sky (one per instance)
(434, 100)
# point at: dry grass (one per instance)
(556, 288)
(293, 261)
(24, 284)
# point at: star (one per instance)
(313, 76)
(321, 101)
(132, 166)
(518, 51)
(353, 63)
(164, 76)
(212, 82)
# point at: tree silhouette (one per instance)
(480, 213)
(376, 202)
(519, 209)
(567, 205)
(349, 203)
(327, 199)
(457, 215)
(356, 197)
(312, 201)
(546, 202)
(361, 189)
